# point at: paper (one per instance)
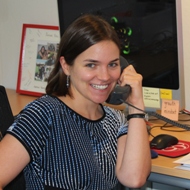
(151, 97)
(170, 109)
(181, 167)
(184, 162)
(166, 94)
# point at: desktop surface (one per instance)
(163, 169)
(18, 101)
(165, 165)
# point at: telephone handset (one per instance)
(119, 93)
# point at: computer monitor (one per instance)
(149, 34)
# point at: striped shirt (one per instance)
(68, 151)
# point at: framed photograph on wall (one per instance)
(39, 46)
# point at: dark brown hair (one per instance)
(84, 32)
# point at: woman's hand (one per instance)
(133, 157)
(130, 77)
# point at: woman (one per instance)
(67, 139)
(41, 53)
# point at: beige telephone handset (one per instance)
(119, 93)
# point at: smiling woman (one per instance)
(93, 78)
(84, 41)
(67, 139)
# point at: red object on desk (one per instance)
(180, 149)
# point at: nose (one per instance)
(103, 74)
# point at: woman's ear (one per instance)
(64, 65)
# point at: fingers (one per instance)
(130, 77)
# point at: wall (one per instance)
(185, 6)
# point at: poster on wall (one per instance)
(39, 46)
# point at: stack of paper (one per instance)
(184, 162)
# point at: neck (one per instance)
(87, 109)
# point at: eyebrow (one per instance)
(95, 61)
(90, 60)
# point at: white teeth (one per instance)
(101, 87)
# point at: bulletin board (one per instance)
(39, 46)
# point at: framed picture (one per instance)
(39, 46)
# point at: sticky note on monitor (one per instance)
(170, 109)
(166, 94)
(151, 97)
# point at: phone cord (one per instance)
(174, 123)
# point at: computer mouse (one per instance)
(162, 141)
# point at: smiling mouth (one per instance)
(99, 87)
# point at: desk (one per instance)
(18, 101)
(163, 170)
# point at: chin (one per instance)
(99, 98)
(100, 101)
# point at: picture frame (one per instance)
(39, 46)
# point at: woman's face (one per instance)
(43, 49)
(95, 72)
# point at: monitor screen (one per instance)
(147, 30)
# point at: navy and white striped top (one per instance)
(68, 151)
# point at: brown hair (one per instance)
(84, 32)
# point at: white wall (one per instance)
(185, 7)
(14, 13)
(12, 16)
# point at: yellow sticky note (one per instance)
(170, 109)
(166, 94)
(151, 97)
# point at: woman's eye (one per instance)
(91, 65)
(113, 64)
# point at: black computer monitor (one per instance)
(147, 30)
(148, 33)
